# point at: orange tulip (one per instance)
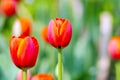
(114, 47)
(24, 51)
(20, 75)
(43, 77)
(8, 7)
(44, 34)
(22, 27)
(59, 32)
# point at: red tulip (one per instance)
(22, 27)
(20, 75)
(17, 0)
(59, 32)
(44, 34)
(8, 7)
(114, 47)
(43, 77)
(24, 51)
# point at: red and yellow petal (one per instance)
(66, 37)
(52, 33)
(63, 28)
(25, 52)
(14, 44)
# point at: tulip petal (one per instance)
(52, 33)
(36, 49)
(14, 44)
(63, 28)
(66, 33)
(25, 52)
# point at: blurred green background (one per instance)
(93, 22)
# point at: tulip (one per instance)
(22, 27)
(114, 51)
(43, 77)
(24, 51)
(44, 34)
(59, 32)
(59, 36)
(114, 47)
(8, 7)
(20, 75)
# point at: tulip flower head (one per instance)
(59, 32)
(24, 51)
(22, 27)
(44, 34)
(8, 7)
(114, 47)
(20, 75)
(43, 77)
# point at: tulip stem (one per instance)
(59, 64)
(24, 74)
(117, 67)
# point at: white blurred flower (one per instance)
(105, 23)
(16, 31)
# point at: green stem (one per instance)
(117, 67)
(24, 74)
(59, 64)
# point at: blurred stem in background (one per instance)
(117, 69)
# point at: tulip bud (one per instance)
(59, 32)
(8, 7)
(44, 34)
(114, 47)
(24, 51)
(20, 75)
(43, 77)
(22, 27)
